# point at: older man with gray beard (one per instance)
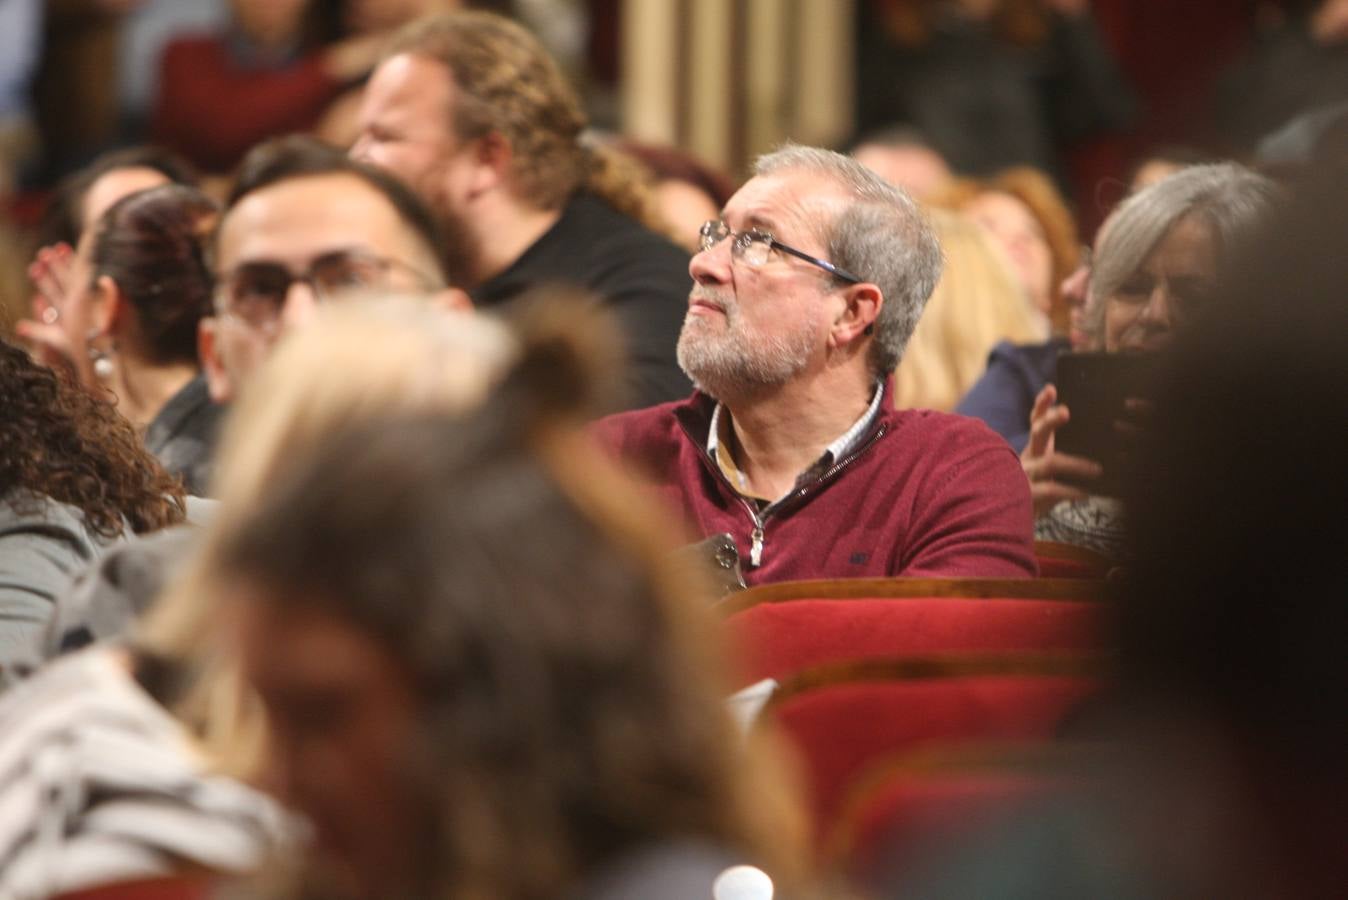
(805, 293)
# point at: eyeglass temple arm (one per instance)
(823, 264)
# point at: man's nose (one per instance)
(711, 266)
(301, 305)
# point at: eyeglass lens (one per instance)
(750, 246)
(258, 290)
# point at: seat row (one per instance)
(916, 706)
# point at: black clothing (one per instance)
(985, 103)
(638, 275)
(1287, 73)
(183, 434)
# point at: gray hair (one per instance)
(881, 236)
(1230, 199)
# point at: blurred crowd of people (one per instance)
(385, 448)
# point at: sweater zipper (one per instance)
(840, 465)
(757, 536)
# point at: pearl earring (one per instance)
(102, 359)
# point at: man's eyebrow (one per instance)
(759, 221)
(341, 250)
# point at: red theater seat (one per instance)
(861, 588)
(842, 719)
(1057, 560)
(772, 640)
(904, 807)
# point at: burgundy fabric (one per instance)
(839, 730)
(212, 110)
(771, 640)
(928, 494)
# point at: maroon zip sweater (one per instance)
(923, 493)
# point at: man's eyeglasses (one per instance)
(753, 246)
(255, 292)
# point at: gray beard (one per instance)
(730, 365)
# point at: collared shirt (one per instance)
(719, 441)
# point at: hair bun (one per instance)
(570, 362)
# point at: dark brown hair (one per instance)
(571, 709)
(300, 156)
(63, 220)
(59, 441)
(672, 164)
(151, 244)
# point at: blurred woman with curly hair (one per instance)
(74, 478)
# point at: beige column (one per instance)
(710, 79)
(824, 72)
(651, 71)
(729, 79)
(768, 76)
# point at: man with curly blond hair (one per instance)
(471, 112)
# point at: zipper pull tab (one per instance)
(756, 550)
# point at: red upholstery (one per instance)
(1057, 560)
(840, 729)
(911, 812)
(771, 640)
(185, 888)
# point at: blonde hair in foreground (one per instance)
(655, 750)
(360, 360)
(976, 303)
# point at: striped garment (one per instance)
(98, 784)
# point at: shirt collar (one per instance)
(718, 444)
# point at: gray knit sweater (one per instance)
(43, 545)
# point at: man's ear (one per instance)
(863, 304)
(217, 378)
(492, 156)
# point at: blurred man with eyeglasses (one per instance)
(306, 225)
(805, 294)
(471, 112)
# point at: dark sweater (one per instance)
(639, 275)
(1004, 396)
(182, 435)
(985, 103)
(924, 493)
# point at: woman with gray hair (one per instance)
(1155, 261)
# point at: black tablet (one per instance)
(1095, 388)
